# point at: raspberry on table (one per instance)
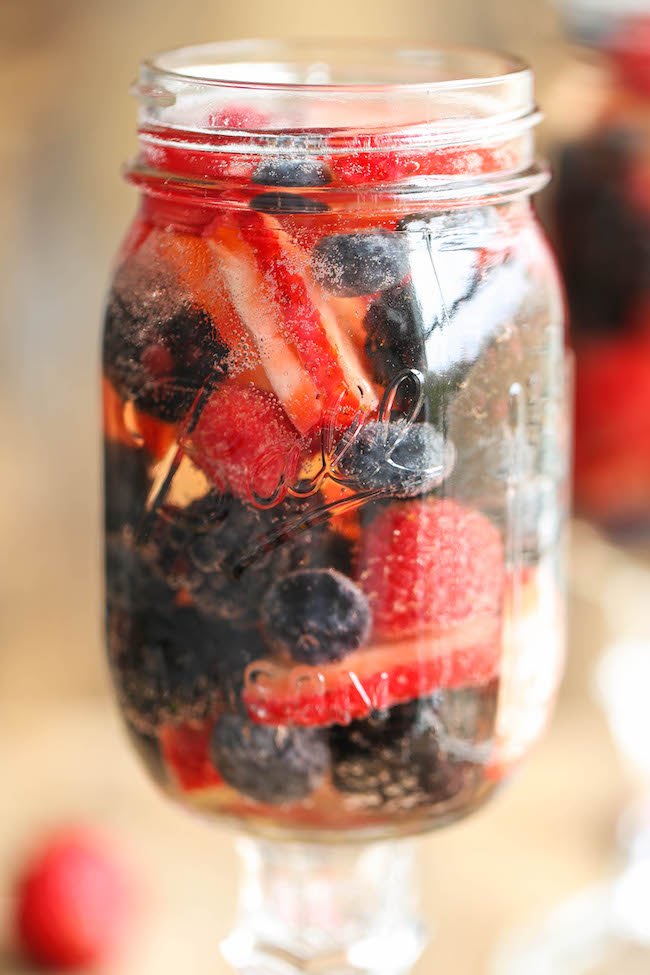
(74, 903)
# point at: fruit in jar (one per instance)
(276, 203)
(159, 346)
(396, 760)
(224, 554)
(351, 265)
(186, 752)
(315, 615)
(282, 171)
(397, 459)
(270, 765)
(245, 443)
(430, 563)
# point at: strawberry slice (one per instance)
(254, 302)
(377, 162)
(270, 283)
(245, 441)
(375, 677)
(186, 750)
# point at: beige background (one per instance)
(66, 125)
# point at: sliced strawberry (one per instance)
(377, 161)
(254, 302)
(186, 750)
(166, 150)
(293, 323)
(375, 677)
(244, 440)
(430, 563)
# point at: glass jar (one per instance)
(336, 451)
(601, 223)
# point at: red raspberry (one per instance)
(245, 442)
(430, 563)
(74, 903)
(186, 750)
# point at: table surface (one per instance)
(548, 834)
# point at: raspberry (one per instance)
(245, 442)
(434, 563)
(73, 903)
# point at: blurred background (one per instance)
(67, 124)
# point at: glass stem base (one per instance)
(326, 909)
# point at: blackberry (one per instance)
(286, 203)
(360, 264)
(397, 459)
(226, 554)
(171, 663)
(603, 238)
(315, 616)
(126, 484)
(395, 761)
(159, 348)
(273, 765)
(292, 172)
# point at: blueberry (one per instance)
(394, 761)
(286, 203)
(315, 616)
(273, 765)
(126, 484)
(159, 348)
(360, 264)
(398, 459)
(292, 172)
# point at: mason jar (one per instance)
(336, 439)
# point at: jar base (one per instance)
(348, 910)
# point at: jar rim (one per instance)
(239, 61)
